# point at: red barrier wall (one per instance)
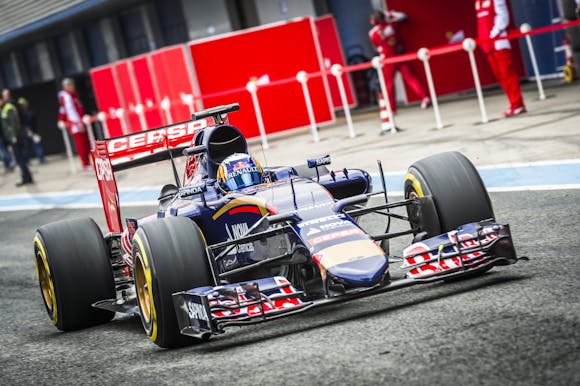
(174, 79)
(225, 64)
(130, 98)
(332, 53)
(146, 87)
(107, 96)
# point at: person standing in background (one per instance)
(384, 37)
(5, 148)
(13, 133)
(70, 116)
(493, 19)
(31, 130)
(7, 159)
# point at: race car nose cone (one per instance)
(363, 272)
(357, 263)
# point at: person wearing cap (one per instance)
(34, 140)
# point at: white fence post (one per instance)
(140, 110)
(120, 114)
(89, 128)
(469, 46)
(302, 77)
(102, 117)
(252, 88)
(388, 125)
(67, 146)
(336, 70)
(525, 29)
(187, 99)
(423, 55)
(166, 106)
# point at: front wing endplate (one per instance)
(207, 310)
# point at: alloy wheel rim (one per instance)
(142, 289)
(44, 280)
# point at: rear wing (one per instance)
(137, 149)
(142, 148)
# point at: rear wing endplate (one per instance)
(145, 147)
(141, 148)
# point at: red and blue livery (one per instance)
(235, 243)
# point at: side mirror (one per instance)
(318, 161)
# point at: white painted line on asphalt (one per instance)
(529, 176)
(574, 161)
(16, 208)
(534, 187)
(48, 194)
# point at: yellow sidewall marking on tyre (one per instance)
(38, 244)
(149, 279)
(415, 184)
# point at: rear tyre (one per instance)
(169, 256)
(459, 195)
(73, 269)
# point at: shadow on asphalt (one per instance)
(131, 326)
(488, 280)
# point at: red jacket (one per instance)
(385, 36)
(493, 19)
(71, 111)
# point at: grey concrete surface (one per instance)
(549, 131)
(517, 325)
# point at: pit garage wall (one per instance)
(430, 24)
(215, 71)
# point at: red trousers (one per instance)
(503, 68)
(83, 147)
(409, 78)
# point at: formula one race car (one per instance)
(232, 243)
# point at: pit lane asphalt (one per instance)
(517, 325)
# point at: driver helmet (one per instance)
(239, 171)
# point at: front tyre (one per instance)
(459, 195)
(169, 255)
(73, 270)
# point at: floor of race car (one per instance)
(515, 325)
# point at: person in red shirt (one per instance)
(384, 37)
(70, 116)
(492, 22)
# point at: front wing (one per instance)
(471, 248)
